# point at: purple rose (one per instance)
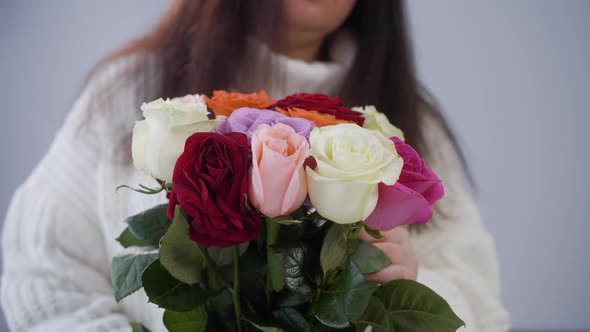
(246, 120)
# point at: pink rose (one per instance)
(410, 199)
(277, 179)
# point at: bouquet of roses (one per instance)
(266, 199)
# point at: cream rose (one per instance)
(376, 120)
(159, 139)
(351, 162)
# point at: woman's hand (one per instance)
(396, 245)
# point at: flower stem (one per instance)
(355, 229)
(236, 288)
(272, 234)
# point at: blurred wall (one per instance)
(512, 76)
(514, 79)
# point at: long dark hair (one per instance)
(200, 44)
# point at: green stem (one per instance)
(236, 289)
(355, 229)
(272, 234)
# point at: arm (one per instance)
(464, 272)
(457, 257)
(57, 271)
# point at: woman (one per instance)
(60, 230)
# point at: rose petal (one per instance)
(398, 205)
(277, 185)
(343, 202)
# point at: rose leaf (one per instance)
(150, 225)
(346, 300)
(168, 293)
(412, 306)
(181, 256)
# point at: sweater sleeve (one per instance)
(57, 272)
(457, 255)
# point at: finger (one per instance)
(392, 272)
(399, 235)
(396, 253)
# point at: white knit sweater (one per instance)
(59, 234)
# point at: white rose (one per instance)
(351, 162)
(376, 120)
(159, 139)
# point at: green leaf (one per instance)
(368, 258)
(376, 316)
(180, 255)
(126, 239)
(296, 278)
(291, 320)
(224, 310)
(346, 300)
(264, 327)
(412, 306)
(223, 256)
(136, 327)
(276, 268)
(127, 268)
(291, 299)
(213, 281)
(169, 293)
(252, 263)
(373, 233)
(150, 225)
(334, 248)
(192, 321)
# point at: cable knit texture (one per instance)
(60, 230)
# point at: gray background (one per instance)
(512, 76)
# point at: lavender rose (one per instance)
(246, 120)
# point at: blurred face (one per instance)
(316, 17)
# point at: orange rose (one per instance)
(320, 119)
(224, 103)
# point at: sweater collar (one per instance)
(293, 75)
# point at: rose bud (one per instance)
(278, 185)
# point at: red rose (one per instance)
(322, 104)
(209, 182)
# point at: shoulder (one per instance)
(442, 154)
(126, 75)
(458, 206)
(440, 151)
(109, 102)
(118, 87)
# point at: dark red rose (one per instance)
(322, 104)
(209, 182)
